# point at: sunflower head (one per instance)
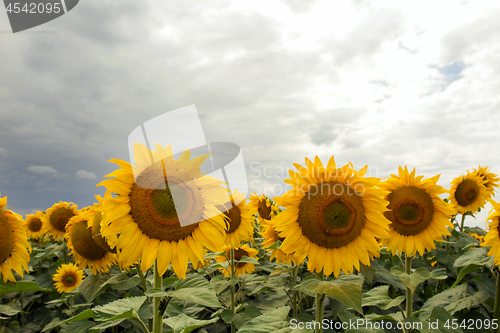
(58, 216)
(35, 226)
(239, 253)
(270, 238)
(492, 238)
(239, 219)
(468, 193)
(333, 215)
(14, 244)
(265, 208)
(491, 178)
(83, 246)
(67, 278)
(164, 211)
(418, 215)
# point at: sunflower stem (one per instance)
(409, 299)
(157, 318)
(145, 288)
(462, 223)
(496, 310)
(294, 279)
(233, 294)
(319, 306)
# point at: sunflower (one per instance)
(492, 238)
(264, 207)
(67, 278)
(84, 248)
(14, 244)
(418, 215)
(270, 238)
(333, 215)
(491, 179)
(58, 216)
(239, 219)
(239, 253)
(34, 226)
(148, 223)
(468, 193)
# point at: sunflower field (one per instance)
(168, 249)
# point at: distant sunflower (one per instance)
(83, 246)
(270, 238)
(14, 244)
(67, 278)
(333, 215)
(264, 207)
(148, 222)
(492, 238)
(468, 193)
(491, 179)
(239, 219)
(239, 253)
(418, 215)
(58, 216)
(34, 226)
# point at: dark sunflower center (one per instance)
(467, 192)
(84, 244)
(154, 210)
(234, 216)
(60, 218)
(35, 224)
(96, 234)
(238, 254)
(69, 280)
(331, 214)
(6, 238)
(264, 211)
(411, 210)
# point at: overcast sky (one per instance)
(377, 83)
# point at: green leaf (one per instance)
(122, 281)
(347, 289)
(78, 327)
(185, 324)
(420, 275)
(464, 271)
(268, 322)
(274, 246)
(477, 256)
(122, 308)
(203, 296)
(194, 281)
(107, 324)
(467, 302)
(93, 285)
(384, 276)
(155, 293)
(8, 310)
(11, 287)
(247, 260)
(98, 284)
(453, 300)
(379, 296)
(81, 316)
(219, 283)
(281, 269)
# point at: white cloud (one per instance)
(85, 174)
(43, 170)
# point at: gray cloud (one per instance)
(43, 170)
(85, 174)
